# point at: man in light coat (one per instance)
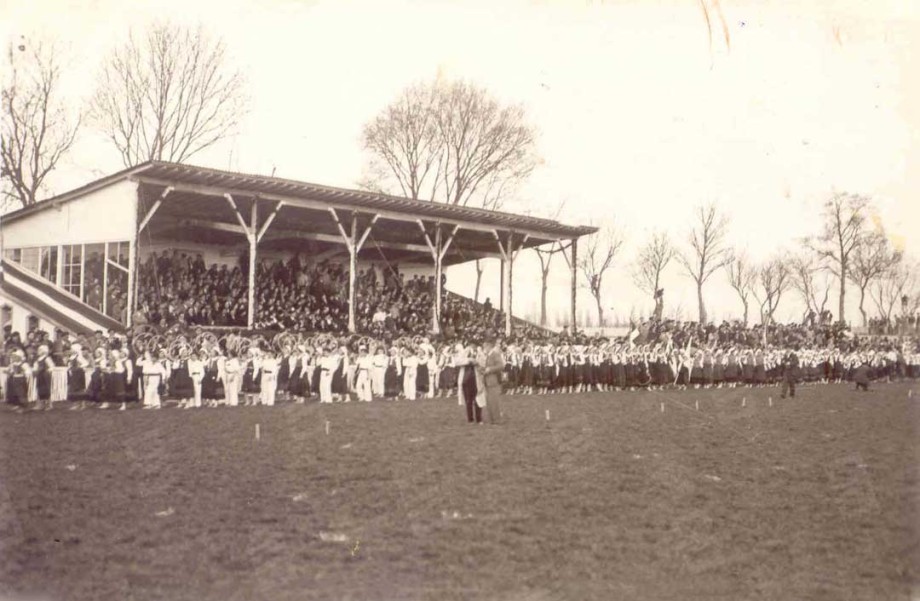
(492, 369)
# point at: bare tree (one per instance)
(844, 229)
(653, 258)
(809, 278)
(545, 255)
(37, 127)
(742, 276)
(600, 251)
(450, 142)
(871, 258)
(405, 145)
(898, 281)
(169, 94)
(708, 252)
(773, 280)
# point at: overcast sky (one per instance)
(641, 116)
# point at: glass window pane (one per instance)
(92, 283)
(118, 252)
(30, 259)
(71, 268)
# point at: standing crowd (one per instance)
(193, 369)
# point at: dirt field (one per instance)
(812, 498)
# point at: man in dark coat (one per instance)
(861, 376)
(790, 374)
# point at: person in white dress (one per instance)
(328, 363)
(410, 370)
(233, 380)
(363, 368)
(153, 374)
(269, 382)
(378, 371)
(196, 373)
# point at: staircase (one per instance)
(478, 307)
(21, 287)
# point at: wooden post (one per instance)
(574, 267)
(436, 316)
(438, 250)
(253, 249)
(134, 250)
(512, 256)
(501, 284)
(352, 276)
(132, 266)
(506, 264)
(353, 244)
(105, 278)
(505, 250)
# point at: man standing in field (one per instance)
(492, 378)
(790, 374)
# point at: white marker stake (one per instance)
(258, 433)
(697, 405)
(909, 393)
(770, 399)
(547, 415)
(743, 402)
(662, 407)
(327, 427)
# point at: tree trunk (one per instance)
(600, 311)
(478, 280)
(862, 311)
(745, 312)
(543, 287)
(841, 316)
(699, 296)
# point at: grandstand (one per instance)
(90, 259)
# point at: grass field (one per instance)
(815, 497)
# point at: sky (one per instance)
(642, 114)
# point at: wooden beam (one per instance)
(236, 212)
(268, 221)
(367, 232)
(308, 203)
(281, 234)
(450, 238)
(153, 209)
(338, 224)
(434, 251)
(501, 246)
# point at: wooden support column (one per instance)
(134, 252)
(512, 256)
(253, 251)
(253, 239)
(132, 262)
(573, 265)
(501, 284)
(353, 244)
(504, 248)
(438, 250)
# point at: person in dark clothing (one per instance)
(468, 389)
(790, 374)
(861, 376)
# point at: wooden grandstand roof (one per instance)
(196, 209)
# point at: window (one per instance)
(93, 275)
(40, 260)
(73, 270)
(48, 263)
(118, 253)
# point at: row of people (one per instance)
(338, 370)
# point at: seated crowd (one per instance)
(295, 295)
